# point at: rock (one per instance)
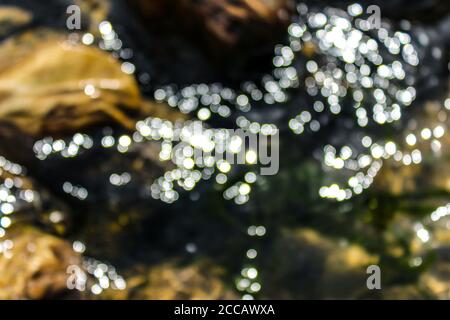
(97, 11)
(436, 283)
(51, 86)
(426, 176)
(12, 18)
(54, 86)
(32, 202)
(222, 24)
(436, 280)
(35, 267)
(235, 21)
(406, 292)
(170, 281)
(304, 264)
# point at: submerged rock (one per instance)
(222, 24)
(50, 86)
(96, 12)
(169, 281)
(12, 18)
(305, 264)
(35, 266)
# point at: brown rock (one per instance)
(234, 21)
(51, 86)
(426, 176)
(222, 23)
(54, 86)
(407, 292)
(169, 281)
(96, 11)
(35, 267)
(41, 209)
(305, 264)
(11, 18)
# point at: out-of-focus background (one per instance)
(89, 209)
